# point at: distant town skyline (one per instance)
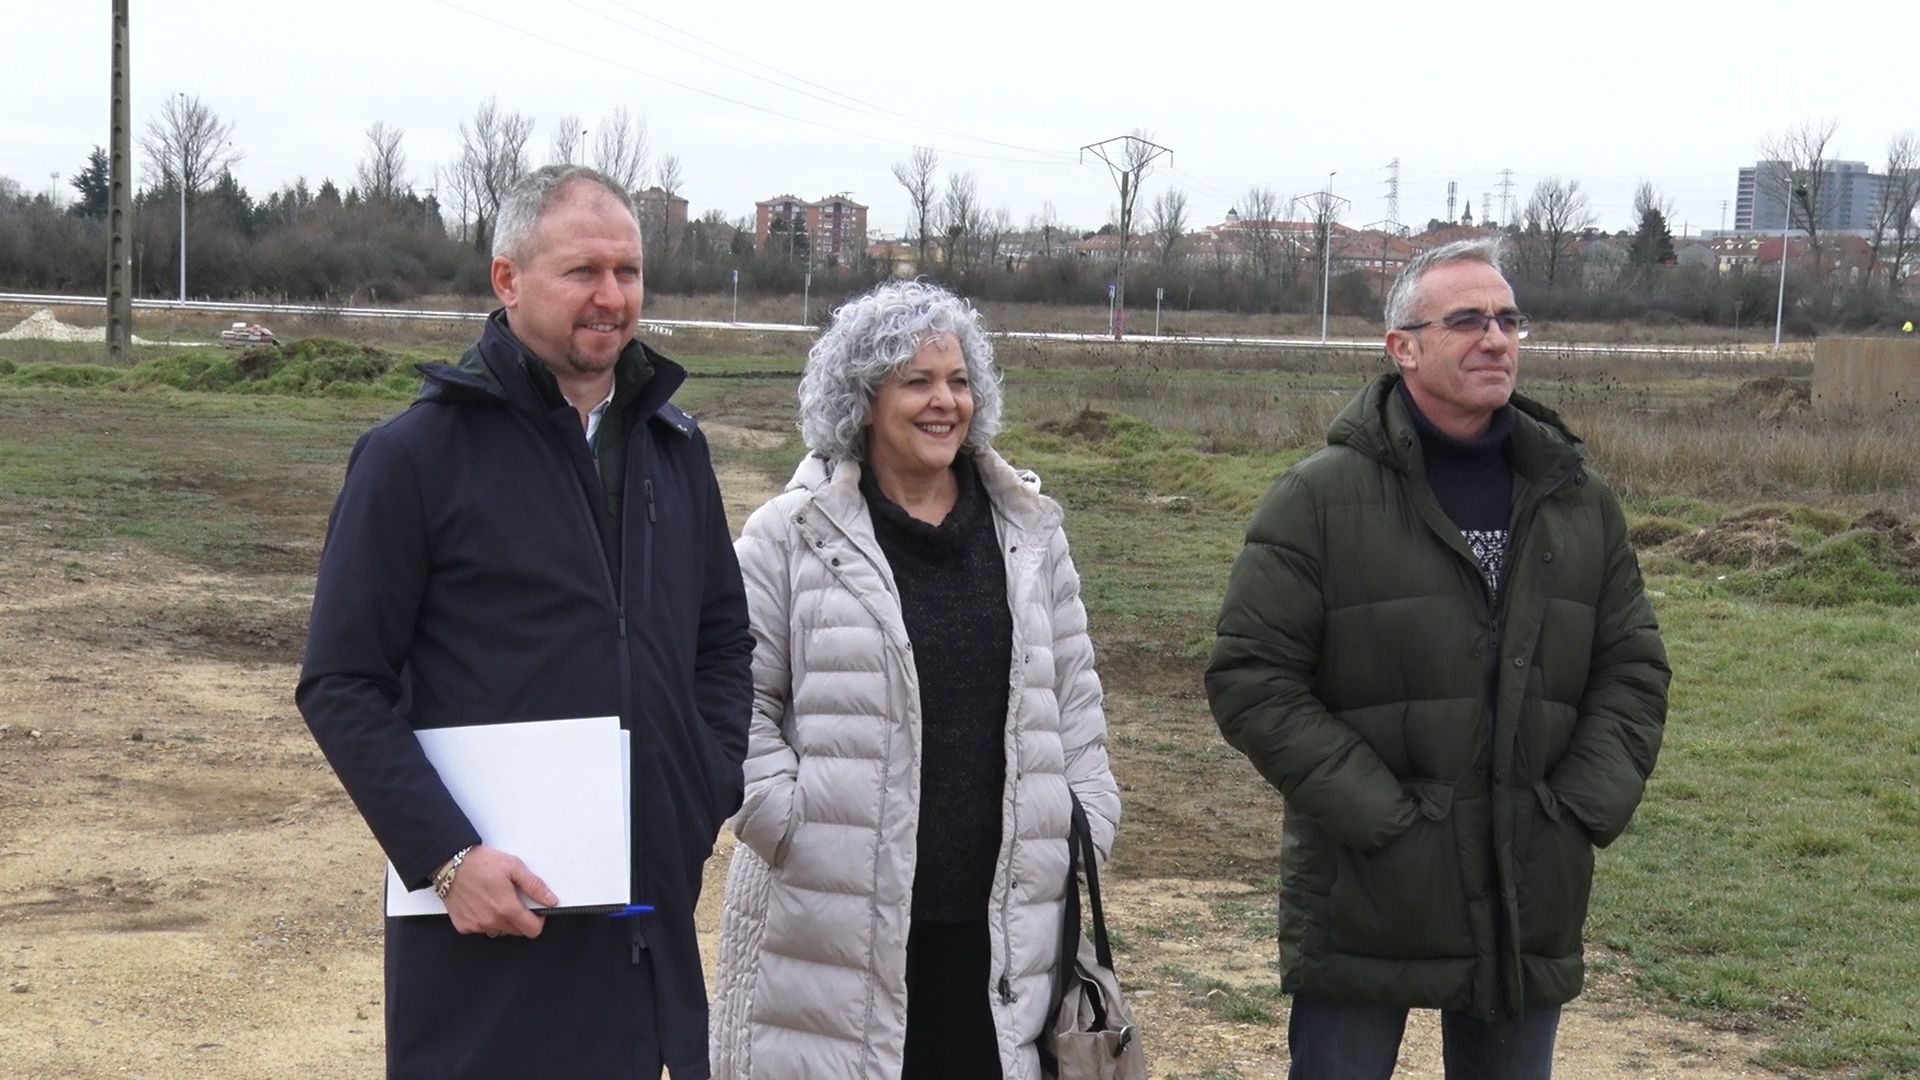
(758, 100)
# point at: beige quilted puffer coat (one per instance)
(812, 971)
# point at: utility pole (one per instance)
(119, 196)
(1453, 196)
(183, 209)
(1506, 196)
(1393, 195)
(1486, 210)
(1128, 162)
(1324, 212)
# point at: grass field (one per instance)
(1771, 882)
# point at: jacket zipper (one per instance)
(1015, 685)
(1496, 625)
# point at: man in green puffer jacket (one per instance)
(1437, 646)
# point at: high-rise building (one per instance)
(828, 232)
(1848, 198)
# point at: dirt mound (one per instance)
(1773, 397)
(1754, 539)
(1094, 425)
(339, 358)
(1654, 531)
(1903, 536)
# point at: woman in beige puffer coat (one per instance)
(861, 677)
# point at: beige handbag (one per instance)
(1091, 1035)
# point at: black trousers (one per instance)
(950, 1032)
(1332, 1040)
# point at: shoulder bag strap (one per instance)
(1084, 857)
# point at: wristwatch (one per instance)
(443, 877)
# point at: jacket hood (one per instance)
(492, 372)
(1376, 423)
(1015, 492)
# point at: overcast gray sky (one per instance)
(759, 99)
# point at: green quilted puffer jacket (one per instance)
(1449, 763)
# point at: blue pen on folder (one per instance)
(632, 909)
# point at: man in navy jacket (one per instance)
(539, 536)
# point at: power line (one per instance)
(871, 108)
(1202, 184)
(722, 97)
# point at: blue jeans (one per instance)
(1332, 1040)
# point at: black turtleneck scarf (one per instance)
(953, 599)
(1473, 480)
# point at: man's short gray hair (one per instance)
(1404, 297)
(535, 194)
(871, 340)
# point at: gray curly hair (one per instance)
(871, 340)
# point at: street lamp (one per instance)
(183, 205)
(1787, 193)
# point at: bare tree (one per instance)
(1646, 198)
(656, 213)
(1555, 216)
(916, 174)
(462, 197)
(1047, 224)
(382, 174)
(1260, 230)
(1324, 208)
(667, 175)
(1894, 230)
(493, 157)
(1169, 222)
(1128, 162)
(962, 222)
(996, 226)
(620, 148)
(188, 144)
(569, 142)
(1800, 181)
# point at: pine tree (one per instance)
(91, 182)
(1652, 241)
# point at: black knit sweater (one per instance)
(1473, 480)
(953, 598)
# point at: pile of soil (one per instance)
(1091, 424)
(1756, 539)
(1903, 537)
(1773, 398)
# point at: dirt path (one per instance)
(186, 892)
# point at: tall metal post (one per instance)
(1780, 305)
(1326, 260)
(1129, 166)
(183, 214)
(119, 197)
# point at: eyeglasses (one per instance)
(1512, 323)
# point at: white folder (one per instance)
(553, 793)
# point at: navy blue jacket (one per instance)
(466, 580)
